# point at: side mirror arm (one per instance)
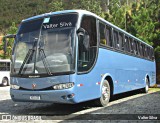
(6, 42)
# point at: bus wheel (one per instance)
(5, 81)
(145, 90)
(105, 94)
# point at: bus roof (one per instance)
(84, 12)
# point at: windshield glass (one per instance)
(45, 46)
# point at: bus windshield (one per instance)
(45, 46)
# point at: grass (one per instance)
(154, 89)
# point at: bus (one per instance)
(74, 56)
(4, 72)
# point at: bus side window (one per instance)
(2, 66)
(123, 42)
(126, 44)
(108, 36)
(147, 52)
(132, 46)
(103, 40)
(120, 40)
(116, 41)
(87, 57)
(5, 66)
(152, 54)
(138, 48)
(141, 51)
(8, 66)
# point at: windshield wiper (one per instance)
(43, 58)
(28, 57)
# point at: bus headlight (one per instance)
(15, 87)
(63, 86)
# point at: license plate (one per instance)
(35, 97)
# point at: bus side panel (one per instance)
(87, 86)
(130, 72)
(127, 72)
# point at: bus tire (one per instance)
(146, 88)
(105, 94)
(5, 81)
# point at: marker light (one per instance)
(14, 86)
(63, 86)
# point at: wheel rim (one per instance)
(147, 87)
(105, 93)
(5, 82)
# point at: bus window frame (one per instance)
(97, 47)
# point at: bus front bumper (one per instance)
(50, 96)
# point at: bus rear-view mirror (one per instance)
(83, 37)
(10, 36)
(6, 42)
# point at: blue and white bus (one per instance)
(74, 56)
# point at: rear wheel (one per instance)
(145, 90)
(5, 81)
(105, 94)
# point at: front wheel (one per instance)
(5, 82)
(105, 94)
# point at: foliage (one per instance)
(11, 30)
(17, 10)
(140, 18)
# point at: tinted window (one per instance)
(152, 54)
(108, 36)
(120, 40)
(126, 44)
(116, 41)
(142, 50)
(4, 66)
(132, 46)
(56, 21)
(30, 26)
(59, 21)
(102, 32)
(147, 52)
(87, 57)
(138, 48)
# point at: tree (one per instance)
(11, 30)
(90, 5)
(118, 14)
(56, 5)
